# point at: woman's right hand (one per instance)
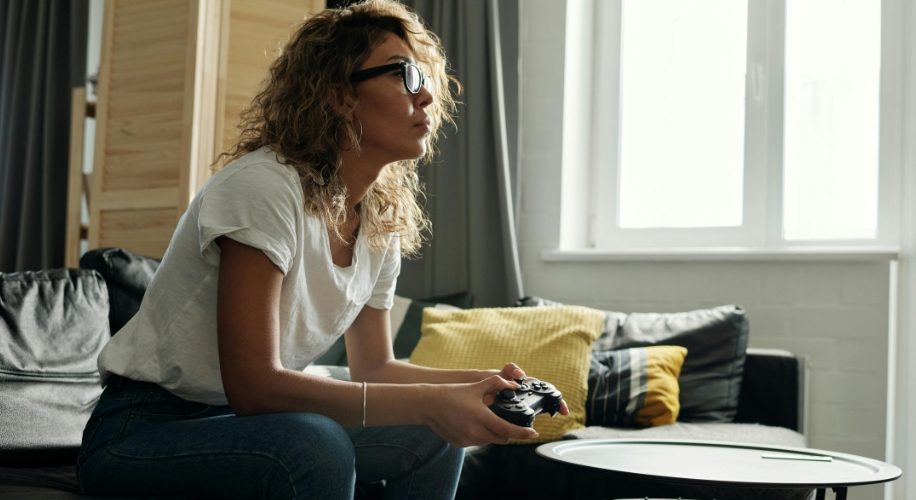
(461, 416)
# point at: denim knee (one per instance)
(315, 449)
(435, 447)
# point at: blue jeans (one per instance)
(142, 440)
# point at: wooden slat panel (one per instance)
(148, 67)
(144, 232)
(75, 181)
(256, 30)
(147, 7)
(145, 198)
(150, 126)
(141, 170)
(165, 88)
(159, 58)
(140, 31)
(136, 104)
(143, 139)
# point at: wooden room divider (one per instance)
(174, 76)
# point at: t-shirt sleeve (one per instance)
(257, 206)
(383, 292)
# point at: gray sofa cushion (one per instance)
(53, 324)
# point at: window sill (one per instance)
(730, 254)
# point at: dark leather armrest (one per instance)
(773, 389)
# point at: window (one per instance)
(729, 123)
(682, 120)
(830, 162)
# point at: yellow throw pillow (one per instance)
(552, 344)
(663, 366)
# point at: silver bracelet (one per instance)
(364, 404)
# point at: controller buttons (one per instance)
(520, 405)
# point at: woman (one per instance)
(295, 242)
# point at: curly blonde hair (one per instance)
(295, 114)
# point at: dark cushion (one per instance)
(53, 324)
(50, 479)
(45, 483)
(127, 276)
(409, 332)
(773, 389)
(716, 342)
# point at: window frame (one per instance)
(591, 162)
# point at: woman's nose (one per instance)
(424, 96)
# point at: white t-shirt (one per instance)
(258, 201)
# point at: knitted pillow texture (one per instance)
(552, 344)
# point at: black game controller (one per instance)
(532, 397)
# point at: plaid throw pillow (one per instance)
(634, 387)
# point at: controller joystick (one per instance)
(521, 405)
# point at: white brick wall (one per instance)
(834, 312)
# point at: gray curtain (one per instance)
(42, 57)
(467, 248)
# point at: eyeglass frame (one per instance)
(365, 74)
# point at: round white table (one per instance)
(738, 465)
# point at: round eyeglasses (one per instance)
(413, 77)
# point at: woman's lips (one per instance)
(425, 125)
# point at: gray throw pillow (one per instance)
(716, 342)
(53, 325)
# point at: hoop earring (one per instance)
(358, 139)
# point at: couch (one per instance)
(54, 323)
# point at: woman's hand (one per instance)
(460, 414)
(512, 372)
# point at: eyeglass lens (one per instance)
(412, 78)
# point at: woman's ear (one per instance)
(344, 101)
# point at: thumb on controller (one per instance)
(494, 384)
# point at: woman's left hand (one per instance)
(512, 372)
